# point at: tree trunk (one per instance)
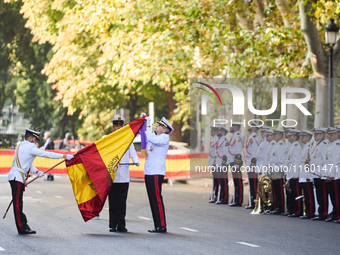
(319, 62)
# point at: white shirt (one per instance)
(283, 159)
(235, 146)
(331, 160)
(261, 155)
(277, 153)
(316, 158)
(293, 160)
(27, 153)
(221, 150)
(252, 145)
(271, 147)
(303, 175)
(212, 151)
(123, 174)
(157, 148)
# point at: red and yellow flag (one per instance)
(92, 170)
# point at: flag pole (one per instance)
(45, 172)
(8, 209)
(30, 182)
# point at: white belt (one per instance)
(19, 169)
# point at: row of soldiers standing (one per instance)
(289, 165)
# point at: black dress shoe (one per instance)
(277, 212)
(158, 230)
(305, 217)
(123, 229)
(285, 214)
(235, 204)
(220, 203)
(250, 207)
(329, 220)
(113, 229)
(336, 221)
(293, 215)
(212, 201)
(317, 218)
(27, 231)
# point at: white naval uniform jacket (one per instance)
(235, 146)
(331, 160)
(316, 159)
(284, 157)
(221, 150)
(277, 153)
(252, 145)
(157, 148)
(304, 175)
(26, 154)
(212, 151)
(261, 155)
(293, 160)
(123, 174)
(270, 149)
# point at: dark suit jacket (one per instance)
(50, 145)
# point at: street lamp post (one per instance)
(331, 33)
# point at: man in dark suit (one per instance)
(49, 144)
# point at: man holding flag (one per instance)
(154, 169)
(25, 154)
(93, 168)
(119, 189)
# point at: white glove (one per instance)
(138, 164)
(143, 114)
(148, 122)
(40, 174)
(69, 157)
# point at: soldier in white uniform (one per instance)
(252, 145)
(221, 166)
(271, 146)
(305, 177)
(295, 208)
(284, 159)
(262, 150)
(154, 169)
(315, 165)
(235, 150)
(25, 154)
(120, 186)
(274, 162)
(330, 168)
(212, 163)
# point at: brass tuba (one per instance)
(264, 195)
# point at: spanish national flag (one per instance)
(92, 170)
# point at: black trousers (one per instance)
(117, 204)
(294, 206)
(321, 197)
(20, 217)
(253, 179)
(333, 190)
(223, 187)
(238, 186)
(307, 189)
(214, 192)
(278, 195)
(153, 185)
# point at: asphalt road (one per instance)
(194, 226)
